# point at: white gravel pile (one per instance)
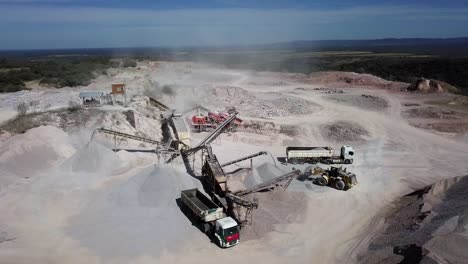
(137, 216)
(258, 104)
(32, 153)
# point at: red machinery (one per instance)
(204, 123)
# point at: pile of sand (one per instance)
(137, 216)
(30, 154)
(276, 209)
(432, 112)
(262, 173)
(426, 226)
(344, 131)
(364, 101)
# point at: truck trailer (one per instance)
(212, 219)
(314, 155)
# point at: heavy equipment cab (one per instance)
(336, 177)
(227, 232)
(347, 152)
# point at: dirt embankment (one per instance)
(348, 79)
(436, 119)
(432, 112)
(263, 105)
(364, 101)
(426, 226)
(343, 131)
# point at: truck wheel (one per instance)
(347, 161)
(294, 161)
(340, 185)
(321, 181)
(206, 228)
(314, 161)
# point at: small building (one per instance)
(92, 98)
(118, 88)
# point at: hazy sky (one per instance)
(26, 24)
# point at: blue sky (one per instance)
(29, 24)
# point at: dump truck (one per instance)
(314, 155)
(211, 218)
(336, 177)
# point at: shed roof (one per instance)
(91, 94)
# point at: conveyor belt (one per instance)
(283, 181)
(244, 158)
(159, 105)
(124, 135)
(212, 136)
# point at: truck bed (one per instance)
(307, 148)
(201, 205)
(309, 152)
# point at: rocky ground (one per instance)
(65, 196)
(425, 226)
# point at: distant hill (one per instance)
(434, 46)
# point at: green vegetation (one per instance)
(396, 65)
(129, 63)
(403, 67)
(71, 118)
(56, 72)
(451, 71)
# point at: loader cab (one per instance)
(347, 152)
(227, 232)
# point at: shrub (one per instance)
(73, 106)
(22, 108)
(168, 90)
(33, 104)
(129, 63)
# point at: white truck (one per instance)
(314, 155)
(211, 217)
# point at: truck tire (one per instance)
(294, 161)
(206, 227)
(321, 181)
(347, 161)
(340, 185)
(314, 161)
